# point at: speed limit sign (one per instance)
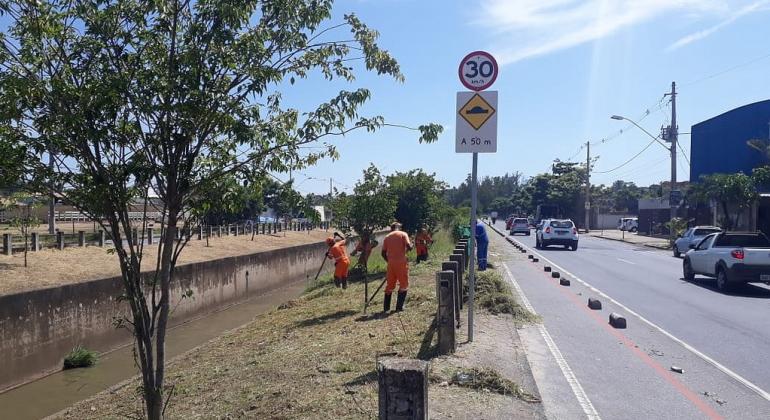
(478, 70)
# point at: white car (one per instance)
(557, 232)
(629, 224)
(520, 225)
(732, 258)
(692, 236)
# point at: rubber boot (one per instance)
(345, 283)
(400, 299)
(386, 302)
(336, 282)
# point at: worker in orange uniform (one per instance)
(394, 248)
(422, 240)
(364, 247)
(338, 252)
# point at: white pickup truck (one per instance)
(732, 258)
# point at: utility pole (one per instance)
(588, 185)
(672, 136)
(331, 198)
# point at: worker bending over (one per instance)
(364, 247)
(394, 248)
(482, 243)
(338, 252)
(422, 240)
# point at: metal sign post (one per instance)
(476, 132)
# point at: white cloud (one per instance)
(528, 28)
(758, 6)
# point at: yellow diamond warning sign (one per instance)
(477, 111)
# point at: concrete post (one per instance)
(263, 228)
(219, 231)
(135, 235)
(235, 232)
(101, 238)
(60, 239)
(35, 241)
(150, 235)
(454, 267)
(403, 389)
(210, 232)
(81, 238)
(7, 244)
(464, 253)
(445, 317)
(279, 226)
(460, 275)
(228, 230)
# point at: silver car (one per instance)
(692, 236)
(520, 225)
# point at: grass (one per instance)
(494, 295)
(316, 354)
(490, 380)
(79, 357)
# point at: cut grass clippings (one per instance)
(490, 380)
(314, 357)
(494, 295)
(79, 357)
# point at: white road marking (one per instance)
(626, 261)
(745, 382)
(569, 375)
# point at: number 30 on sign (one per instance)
(478, 70)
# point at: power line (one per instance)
(629, 160)
(729, 69)
(684, 154)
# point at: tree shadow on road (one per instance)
(744, 290)
(324, 318)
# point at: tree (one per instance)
(371, 207)
(166, 96)
(736, 189)
(21, 207)
(419, 198)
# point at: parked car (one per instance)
(520, 225)
(629, 224)
(692, 236)
(731, 258)
(557, 232)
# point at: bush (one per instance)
(80, 357)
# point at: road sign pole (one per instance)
(472, 243)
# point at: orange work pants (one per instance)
(341, 269)
(398, 272)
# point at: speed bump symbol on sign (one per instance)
(477, 111)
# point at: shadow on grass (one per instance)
(364, 379)
(319, 320)
(427, 349)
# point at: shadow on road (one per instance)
(324, 318)
(745, 290)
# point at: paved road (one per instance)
(721, 341)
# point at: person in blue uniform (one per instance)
(482, 243)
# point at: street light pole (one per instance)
(588, 185)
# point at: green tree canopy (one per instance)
(419, 198)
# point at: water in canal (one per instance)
(56, 392)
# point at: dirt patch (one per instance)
(51, 267)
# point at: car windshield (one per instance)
(561, 224)
(749, 240)
(518, 221)
(704, 232)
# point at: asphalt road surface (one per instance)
(586, 368)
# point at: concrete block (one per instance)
(445, 317)
(547, 268)
(454, 267)
(523, 251)
(555, 274)
(617, 320)
(594, 303)
(530, 256)
(535, 259)
(403, 389)
(564, 282)
(7, 244)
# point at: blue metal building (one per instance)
(719, 144)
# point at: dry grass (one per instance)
(314, 357)
(51, 267)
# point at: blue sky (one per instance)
(566, 66)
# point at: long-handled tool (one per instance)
(373, 295)
(326, 255)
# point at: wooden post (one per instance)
(454, 267)
(445, 317)
(403, 389)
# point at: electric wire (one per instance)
(629, 160)
(728, 70)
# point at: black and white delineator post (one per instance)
(476, 132)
